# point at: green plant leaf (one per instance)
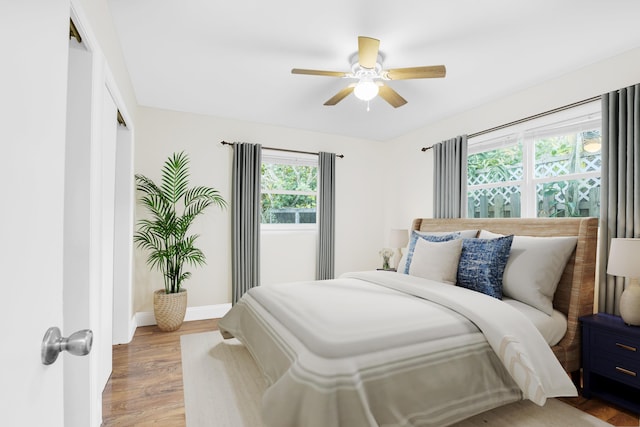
(172, 208)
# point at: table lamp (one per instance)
(624, 260)
(398, 239)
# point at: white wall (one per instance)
(287, 256)
(380, 185)
(410, 192)
(96, 15)
(359, 200)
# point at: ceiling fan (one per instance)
(366, 67)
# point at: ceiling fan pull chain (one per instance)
(368, 106)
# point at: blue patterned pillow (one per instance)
(482, 264)
(429, 238)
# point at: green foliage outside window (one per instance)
(288, 193)
(496, 165)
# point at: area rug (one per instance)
(223, 388)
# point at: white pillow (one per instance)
(436, 260)
(534, 268)
(464, 234)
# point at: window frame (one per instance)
(576, 119)
(295, 159)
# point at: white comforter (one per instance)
(386, 349)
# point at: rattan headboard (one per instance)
(575, 293)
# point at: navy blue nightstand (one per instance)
(611, 360)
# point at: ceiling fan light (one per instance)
(366, 90)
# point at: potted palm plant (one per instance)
(173, 207)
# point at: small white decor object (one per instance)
(624, 260)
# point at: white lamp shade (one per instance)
(624, 258)
(398, 238)
(592, 145)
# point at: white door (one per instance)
(56, 217)
(33, 82)
(105, 210)
(123, 317)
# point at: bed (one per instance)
(379, 348)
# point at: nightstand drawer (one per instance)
(624, 370)
(611, 360)
(616, 345)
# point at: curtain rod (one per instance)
(285, 150)
(536, 116)
(526, 119)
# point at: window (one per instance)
(289, 190)
(549, 169)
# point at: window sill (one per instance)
(270, 228)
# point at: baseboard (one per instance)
(132, 325)
(146, 318)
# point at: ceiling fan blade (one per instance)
(318, 72)
(340, 95)
(429, 72)
(368, 51)
(391, 96)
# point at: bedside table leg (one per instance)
(575, 377)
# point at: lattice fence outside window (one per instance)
(571, 195)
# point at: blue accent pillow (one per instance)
(429, 238)
(482, 264)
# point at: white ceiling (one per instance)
(233, 58)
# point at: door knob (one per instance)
(79, 344)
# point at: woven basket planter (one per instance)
(169, 309)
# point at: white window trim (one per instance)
(291, 192)
(505, 136)
(289, 158)
(268, 228)
(584, 116)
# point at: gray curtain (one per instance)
(450, 178)
(620, 184)
(325, 265)
(245, 218)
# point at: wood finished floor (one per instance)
(145, 388)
